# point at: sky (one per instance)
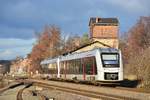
(21, 19)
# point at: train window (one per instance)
(45, 68)
(110, 59)
(52, 68)
(71, 67)
(76, 66)
(62, 69)
(90, 66)
(68, 67)
(79, 66)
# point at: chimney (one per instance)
(97, 19)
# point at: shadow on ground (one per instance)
(130, 83)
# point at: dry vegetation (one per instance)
(46, 46)
(136, 51)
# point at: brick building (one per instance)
(104, 30)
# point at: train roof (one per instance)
(75, 55)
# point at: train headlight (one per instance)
(111, 76)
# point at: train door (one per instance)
(89, 68)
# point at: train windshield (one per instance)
(110, 59)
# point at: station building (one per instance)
(103, 33)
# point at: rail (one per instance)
(83, 92)
(19, 95)
(93, 91)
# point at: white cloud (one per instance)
(10, 48)
(7, 54)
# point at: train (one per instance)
(99, 64)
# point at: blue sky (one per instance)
(20, 19)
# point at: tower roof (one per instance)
(103, 21)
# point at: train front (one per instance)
(111, 67)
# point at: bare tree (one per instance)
(136, 51)
(47, 46)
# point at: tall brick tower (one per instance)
(104, 30)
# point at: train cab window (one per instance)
(110, 59)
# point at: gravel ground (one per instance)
(60, 95)
(52, 94)
(27, 94)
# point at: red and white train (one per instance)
(101, 64)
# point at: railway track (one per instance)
(86, 93)
(19, 95)
(34, 93)
(16, 91)
(117, 85)
(10, 92)
(106, 93)
(20, 92)
(12, 85)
